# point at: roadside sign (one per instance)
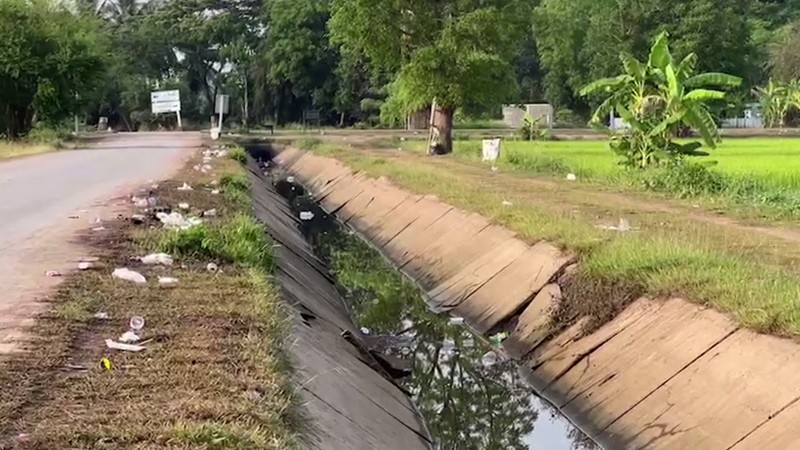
(165, 101)
(222, 105)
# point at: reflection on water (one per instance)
(472, 397)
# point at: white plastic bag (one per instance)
(491, 149)
(129, 275)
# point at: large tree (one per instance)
(579, 40)
(456, 52)
(49, 60)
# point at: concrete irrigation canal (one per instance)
(468, 393)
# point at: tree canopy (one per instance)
(366, 62)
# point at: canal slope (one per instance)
(349, 401)
(664, 373)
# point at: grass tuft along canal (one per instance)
(472, 397)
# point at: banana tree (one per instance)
(657, 99)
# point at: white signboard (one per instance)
(165, 101)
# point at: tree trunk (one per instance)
(18, 121)
(246, 108)
(341, 120)
(443, 121)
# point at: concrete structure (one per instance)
(514, 115)
(664, 374)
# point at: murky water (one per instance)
(471, 395)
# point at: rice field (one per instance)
(774, 161)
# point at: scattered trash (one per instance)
(622, 227)
(206, 168)
(489, 358)
(139, 202)
(129, 337)
(215, 192)
(214, 182)
(98, 229)
(185, 187)
(306, 215)
(154, 186)
(157, 258)
(129, 275)
(176, 220)
(468, 343)
(126, 347)
(571, 177)
(101, 316)
(53, 273)
(167, 281)
(105, 363)
(507, 203)
(84, 265)
(152, 201)
(138, 219)
(290, 179)
(136, 323)
(495, 169)
(210, 213)
(695, 206)
(97, 220)
(498, 338)
(456, 321)
(364, 330)
(491, 149)
(183, 205)
(211, 267)
(75, 367)
(448, 346)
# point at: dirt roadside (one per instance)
(68, 203)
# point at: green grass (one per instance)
(752, 178)
(730, 270)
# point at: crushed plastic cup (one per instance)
(456, 321)
(129, 275)
(211, 267)
(157, 258)
(129, 337)
(136, 323)
(167, 281)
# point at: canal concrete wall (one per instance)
(347, 401)
(664, 374)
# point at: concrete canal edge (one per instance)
(665, 373)
(348, 402)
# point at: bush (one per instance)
(241, 240)
(237, 153)
(566, 118)
(235, 181)
(684, 179)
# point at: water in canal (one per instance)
(471, 398)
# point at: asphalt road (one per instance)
(38, 195)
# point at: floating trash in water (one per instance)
(490, 358)
(498, 338)
(571, 177)
(306, 215)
